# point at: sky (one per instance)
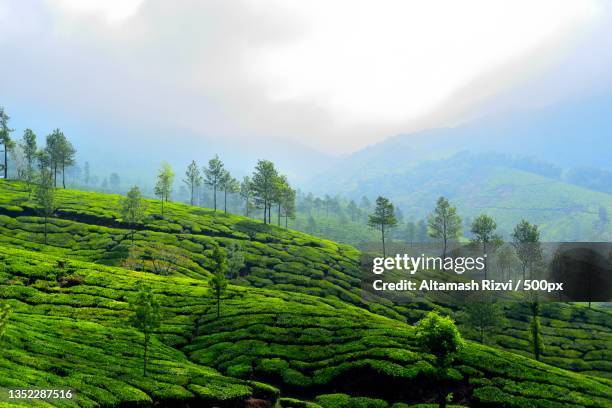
(332, 76)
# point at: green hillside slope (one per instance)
(88, 228)
(77, 335)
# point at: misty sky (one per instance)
(335, 76)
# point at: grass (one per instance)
(78, 336)
(88, 228)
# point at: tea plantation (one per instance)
(294, 319)
(77, 335)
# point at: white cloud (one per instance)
(335, 75)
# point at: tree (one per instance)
(288, 204)
(28, 145)
(193, 179)
(229, 185)
(146, 318)
(439, 336)
(53, 150)
(383, 218)
(114, 181)
(535, 330)
(212, 176)
(45, 197)
(246, 192)
(218, 282)
(444, 224)
(526, 243)
(155, 257)
(353, 210)
(411, 232)
(264, 180)
(505, 261)
(482, 315)
(163, 187)
(133, 209)
(235, 261)
(66, 156)
(483, 230)
(5, 313)
(5, 139)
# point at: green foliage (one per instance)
(439, 336)
(218, 283)
(526, 243)
(383, 218)
(213, 175)
(483, 315)
(443, 223)
(163, 186)
(193, 180)
(147, 317)
(5, 313)
(133, 208)
(535, 330)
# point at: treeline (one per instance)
(265, 190)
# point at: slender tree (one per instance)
(235, 260)
(439, 336)
(193, 180)
(53, 150)
(264, 180)
(66, 156)
(383, 218)
(535, 330)
(483, 315)
(526, 243)
(246, 192)
(133, 209)
(483, 232)
(410, 232)
(288, 204)
(229, 185)
(5, 139)
(28, 145)
(146, 318)
(45, 197)
(444, 224)
(163, 187)
(212, 176)
(218, 282)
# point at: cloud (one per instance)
(331, 75)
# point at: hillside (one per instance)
(88, 229)
(77, 335)
(488, 183)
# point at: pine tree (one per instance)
(192, 179)
(444, 224)
(212, 176)
(383, 218)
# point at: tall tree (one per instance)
(383, 218)
(235, 260)
(28, 145)
(146, 318)
(246, 192)
(5, 313)
(264, 180)
(45, 197)
(229, 185)
(439, 336)
(353, 210)
(444, 224)
(482, 315)
(411, 232)
(218, 282)
(133, 209)
(193, 180)
(163, 187)
(288, 204)
(212, 176)
(526, 243)
(483, 233)
(65, 156)
(53, 150)
(281, 188)
(535, 330)
(5, 139)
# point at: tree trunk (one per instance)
(64, 175)
(55, 174)
(286, 222)
(191, 193)
(265, 208)
(215, 197)
(162, 207)
(279, 215)
(5, 161)
(382, 233)
(246, 207)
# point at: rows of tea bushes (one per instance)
(71, 323)
(88, 227)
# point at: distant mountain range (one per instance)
(551, 166)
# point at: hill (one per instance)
(88, 228)
(507, 189)
(78, 335)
